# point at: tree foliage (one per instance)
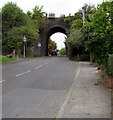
(62, 51)
(100, 32)
(16, 25)
(12, 16)
(76, 39)
(39, 17)
(96, 35)
(51, 46)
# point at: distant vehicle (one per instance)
(54, 52)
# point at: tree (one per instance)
(37, 12)
(16, 25)
(51, 46)
(39, 17)
(75, 39)
(100, 32)
(74, 42)
(12, 16)
(15, 38)
(62, 51)
(86, 11)
(77, 36)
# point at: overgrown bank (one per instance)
(108, 70)
(92, 36)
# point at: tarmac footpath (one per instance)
(85, 99)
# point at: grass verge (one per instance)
(4, 59)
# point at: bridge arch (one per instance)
(54, 26)
(51, 31)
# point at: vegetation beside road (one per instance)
(108, 65)
(4, 59)
(93, 36)
(16, 24)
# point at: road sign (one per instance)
(24, 39)
(39, 44)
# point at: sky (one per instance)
(59, 7)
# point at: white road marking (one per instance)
(23, 73)
(30, 70)
(39, 66)
(19, 74)
(61, 111)
(2, 81)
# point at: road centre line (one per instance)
(23, 73)
(39, 66)
(30, 70)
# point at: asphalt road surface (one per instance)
(36, 88)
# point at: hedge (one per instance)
(108, 65)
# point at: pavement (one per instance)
(87, 100)
(54, 87)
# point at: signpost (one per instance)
(39, 45)
(24, 39)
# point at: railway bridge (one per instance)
(55, 25)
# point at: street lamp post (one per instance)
(24, 39)
(83, 12)
(83, 16)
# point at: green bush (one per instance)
(108, 65)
